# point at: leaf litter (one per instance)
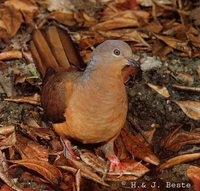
(170, 65)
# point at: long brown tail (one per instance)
(53, 48)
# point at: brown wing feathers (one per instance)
(53, 51)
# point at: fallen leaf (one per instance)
(179, 138)
(128, 18)
(129, 71)
(8, 141)
(29, 149)
(10, 21)
(71, 19)
(14, 54)
(127, 35)
(150, 133)
(162, 90)
(4, 173)
(193, 173)
(154, 27)
(195, 40)
(190, 108)
(28, 8)
(48, 171)
(134, 170)
(138, 147)
(184, 77)
(86, 171)
(176, 44)
(7, 129)
(97, 163)
(64, 18)
(20, 79)
(179, 159)
(117, 22)
(121, 151)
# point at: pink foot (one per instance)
(68, 151)
(116, 166)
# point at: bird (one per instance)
(91, 106)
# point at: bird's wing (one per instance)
(56, 93)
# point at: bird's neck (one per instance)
(101, 74)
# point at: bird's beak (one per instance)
(133, 63)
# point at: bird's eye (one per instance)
(116, 52)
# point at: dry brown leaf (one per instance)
(138, 147)
(179, 159)
(86, 171)
(150, 133)
(29, 149)
(178, 138)
(176, 44)
(190, 108)
(109, 13)
(14, 54)
(71, 19)
(129, 71)
(20, 79)
(160, 49)
(34, 99)
(127, 35)
(97, 163)
(185, 77)
(10, 21)
(87, 39)
(64, 18)
(154, 27)
(4, 173)
(120, 19)
(48, 171)
(162, 90)
(193, 173)
(134, 170)
(7, 129)
(8, 141)
(195, 40)
(117, 22)
(121, 151)
(28, 8)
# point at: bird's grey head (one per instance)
(114, 52)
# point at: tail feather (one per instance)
(53, 48)
(55, 44)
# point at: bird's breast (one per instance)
(96, 113)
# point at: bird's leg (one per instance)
(68, 151)
(115, 164)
